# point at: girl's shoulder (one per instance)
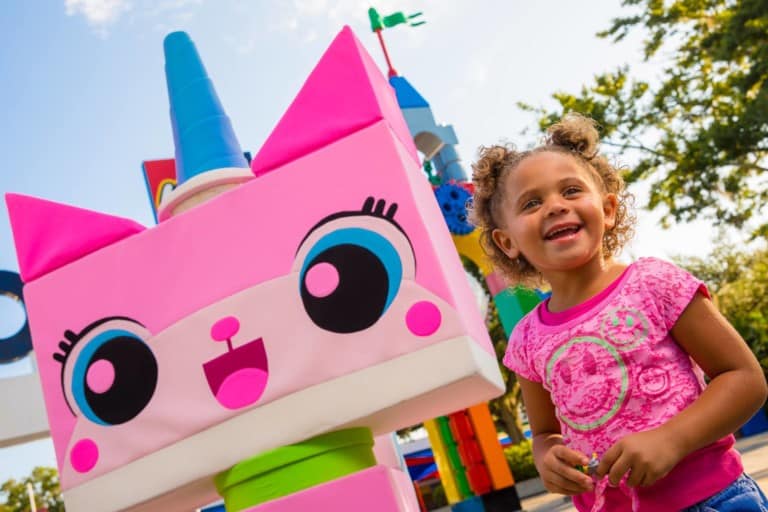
(656, 273)
(527, 333)
(651, 264)
(658, 269)
(519, 356)
(523, 327)
(666, 286)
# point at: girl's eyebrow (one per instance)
(568, 179)
(524, 196)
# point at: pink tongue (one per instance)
(242, 388)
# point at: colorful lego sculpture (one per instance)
(471, 463)
(20, 395)
(271, 304)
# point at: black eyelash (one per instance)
(378, 210)
(65, 347)
(371, 207)
(72, 338)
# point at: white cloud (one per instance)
(316, 18)
(98, 13)
(162, 15)
(182, 8)
(310, 7)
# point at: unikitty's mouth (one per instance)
(238, 378)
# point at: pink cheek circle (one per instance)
(84, 455)
(423, 318)
(322, 279)
(101, 376)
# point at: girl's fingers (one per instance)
(636, 478)
(652, 478)
(565, 476)
(647, 480)
(565, 486)
(618, 470)
(576, 476)
(569, 457)
(561, 474)
(607, 460)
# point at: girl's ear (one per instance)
(610, 206)
(504, 242)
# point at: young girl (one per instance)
(611, 364)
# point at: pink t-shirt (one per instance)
(612, 369)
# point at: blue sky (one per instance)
(85, 101)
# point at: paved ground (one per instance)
(754, 452)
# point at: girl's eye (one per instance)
(531, 203)
(571, 190)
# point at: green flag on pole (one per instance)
(378, 22)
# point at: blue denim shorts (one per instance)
(743, 495)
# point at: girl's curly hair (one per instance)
(574, 135)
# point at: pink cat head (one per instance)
(332, 262)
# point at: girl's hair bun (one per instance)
(576, 133)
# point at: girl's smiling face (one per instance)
(554, 213)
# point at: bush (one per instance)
(520, 459)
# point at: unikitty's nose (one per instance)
(225, 329)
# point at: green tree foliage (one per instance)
(701, 131)
(520, 459)
(45, 484)
(738, 279)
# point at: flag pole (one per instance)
(391, 71)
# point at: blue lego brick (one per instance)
(756, 424)
(407, 96)
(473, 504)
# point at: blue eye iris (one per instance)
(369, 273)
(131, 384)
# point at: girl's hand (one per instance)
(646, 456)
(557, 469)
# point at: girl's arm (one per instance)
(555, 461)
(736, 391)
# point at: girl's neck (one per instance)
(572, 287)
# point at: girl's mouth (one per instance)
(562, 232)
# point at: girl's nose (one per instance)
(556, 207)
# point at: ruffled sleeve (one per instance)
(671, 288)
(517, 357)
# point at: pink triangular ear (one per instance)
(49, 235)
(344, 93)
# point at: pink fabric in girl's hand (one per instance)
(600, 487)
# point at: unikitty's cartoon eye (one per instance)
(351, 266)
(109, 373)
